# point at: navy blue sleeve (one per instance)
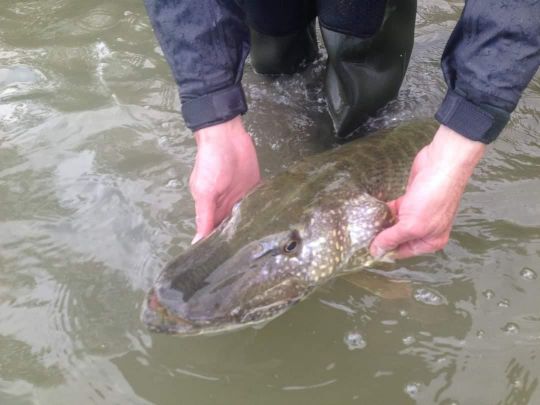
(206, 43)
(491, 56)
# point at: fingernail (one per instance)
(378, 252)
(196, 239)
(388, 257)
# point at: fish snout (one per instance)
(158, 318)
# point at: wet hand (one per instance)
(226, 168)
(425, 213)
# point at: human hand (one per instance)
(426, 211)
(226, 168)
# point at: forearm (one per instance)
(206, 43)
(490, 58)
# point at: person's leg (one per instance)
(283, 36)
(369, 43)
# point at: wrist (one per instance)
(453, 150)
(230, 129)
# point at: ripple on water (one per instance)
(89, 207)
(408, 340)
(528, 273)
(504, 303)
(354, 341)
(10, 75)
(21, 81)
(449, 402)
(510, 328)
(489, 294)
(99, 19)
(61, 21)
(411, 389)
(429, 297)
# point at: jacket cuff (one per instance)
(214, 108)
(481, 123)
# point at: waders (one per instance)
(369, 43)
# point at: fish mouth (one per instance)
(158, 318)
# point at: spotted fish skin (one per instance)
(291, 234)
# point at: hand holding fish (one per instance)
(226, 168)
(425, 213)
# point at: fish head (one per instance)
(233, 280)
(262, 279)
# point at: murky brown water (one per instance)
(94, 165)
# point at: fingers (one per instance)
(391, 238)
(196, 238)
(407, 240)
(383, 240)
(205, 210)
(420, 246)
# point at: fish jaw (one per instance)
(254, 285)
(159, 319)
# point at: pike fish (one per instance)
(291, 234)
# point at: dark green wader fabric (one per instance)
(283, 37)
(287, 54)
(363, 73)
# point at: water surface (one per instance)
(94, 168)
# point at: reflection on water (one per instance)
(94, 167)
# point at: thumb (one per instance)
(390, 239)
(205, 210)
(383, 243)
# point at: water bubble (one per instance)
(174, 183)
(163, 141)
(489, 294)
(505, 303)
(510, 328)
(428, 297)
(389, 322)
(411, 389)
(354, 341)
(442, 360)
(408, 340)
(528, 274)
(403, 313)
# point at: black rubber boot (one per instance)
(364, 74)
(285, 54)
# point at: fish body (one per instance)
(291, 234)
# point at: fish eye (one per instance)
(290, 246)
